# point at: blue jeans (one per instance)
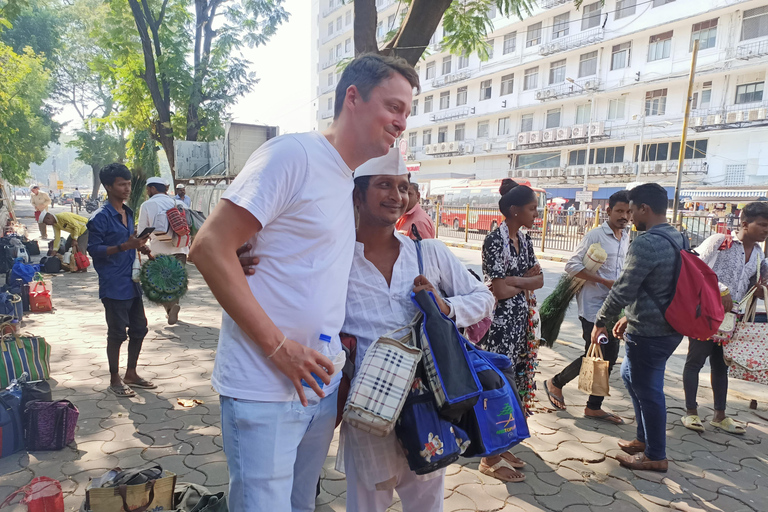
(275, 452)
(643, 374)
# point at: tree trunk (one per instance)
(417, 29)
(96, 181)
(365, 27)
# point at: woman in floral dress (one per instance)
(510, 265)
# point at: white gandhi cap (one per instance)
(156, 181)
(391, 164)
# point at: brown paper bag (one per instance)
(593, 377)
(152, 496)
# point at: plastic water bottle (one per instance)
(325, 349)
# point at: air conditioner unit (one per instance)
(518, 174)
(658, 169)
(534, 137)
(734, 117)
(718, 120)
(534, 174)
(698, 121)
(591, 84)
(578, 131)
(548, 93)
(615, 169)
(487, 146)
(563, 133)
(452, 147)
(753, 115)
(428, 149)
(442, 148)
(522, 138)
(549, 135)
(511, 145)
(468, 148)
(551, 172)
(539, 95)
(597, 128)
(561, 172)
(762, 113)
(580, 171)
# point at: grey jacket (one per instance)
(650, 265)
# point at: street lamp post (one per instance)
(589, 130)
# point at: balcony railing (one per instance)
(732, 116)
(583, 86)
(752, 50)
(332, 62)
(327, 88)
(326, 114)
(452, 78)
(330, 10)
(383, 4)
(548, 4)
(570, 42)
(455, 113)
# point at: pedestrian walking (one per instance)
(648, 277)
(181, 195)
(294, 197)
(41, 201)
(153, 213)
(415, 215)
(738, 261)
(510, 265)
(112, 244)
(78, 199)
(385, 270)
(613, 237)
(73, 224)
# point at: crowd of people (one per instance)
(327, 220)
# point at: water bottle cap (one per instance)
(325, 338)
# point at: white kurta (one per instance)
(374, 308)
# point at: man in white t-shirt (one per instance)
(293, 202)
(153, 214)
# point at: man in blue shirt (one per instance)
(181, 195)
(112, 244)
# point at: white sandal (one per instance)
(491, 471)
(693, 422)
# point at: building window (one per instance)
(330, 28)
(489, 45)
(613, 155)
(483, 129)
(526, 123)
(458, 132)
(620, 55)
(428, 104)
(442, 134)
(749, 93)
(510, 40)
(445, 100)
(412, 139)
(755, 23)
(660, 46)
(330, 104)
(537, 160)
(426, 137)
(461, 96)
(348, 45)
(330, 78)
(590, 18)
(734, 174)
(463, 61)
(584, 113)
(485, 90)
(531, 79)
(577, 157)
(507, 84)
(561, 24)
(391, 22)
(533, 36)
(338, 51)
(415, 108)
(330, 56)
(693, 149)
(625, 8)
(656, 102)
(491, 12)
(553, 118)
(657, 3)
(702, 100)
(380, 30)
(706, 33)
(588, 64)
(447, 65)
(503, 126)
(430, 70)
(348, 18)
(654, 152)
(557, 72)
(616, 108)
(339, 24)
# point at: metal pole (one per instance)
(437, 220)
(589, 138)
(681, 156)
(639, 165)
(466, 226)
(544, 229)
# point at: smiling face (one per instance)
(385, 200)
(379, 121)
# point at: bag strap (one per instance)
(419, 255)
(142, 508)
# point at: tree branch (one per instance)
(365, 27)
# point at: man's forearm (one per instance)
(590, 276)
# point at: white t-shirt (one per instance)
(300, 190)
(76, 194)
(152, 213)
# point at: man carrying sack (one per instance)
(41, 201)
(613, 237)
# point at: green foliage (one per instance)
(37, 27)
(138, 189)
(142, 154)
(26, 122)
(98, 147)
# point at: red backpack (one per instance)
(696, 309)
(178, 226)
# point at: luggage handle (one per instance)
(411, 325)
(123, 489)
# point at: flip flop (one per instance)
(552, 399)
(492, 471)
(693, 422)
(613, 419)
(142, 384)
(121, 391)
(729, 426)
(516, 464)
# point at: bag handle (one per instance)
(142, 508)
(594, 350)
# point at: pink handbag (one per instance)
(747, 352)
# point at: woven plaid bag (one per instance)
(383, 381)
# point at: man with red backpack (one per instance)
(666, 292)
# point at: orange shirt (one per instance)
(419, 217)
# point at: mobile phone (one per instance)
(148, 231)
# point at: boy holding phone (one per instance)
(112, 244)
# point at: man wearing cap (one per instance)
(41, 201)
(73, 224)
(415, 216)
(153, 214)
(181, 195)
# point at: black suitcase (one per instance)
(33, 248)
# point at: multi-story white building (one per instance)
(611, 77)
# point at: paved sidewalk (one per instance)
(571, 460)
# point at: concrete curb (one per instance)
(479, 247)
